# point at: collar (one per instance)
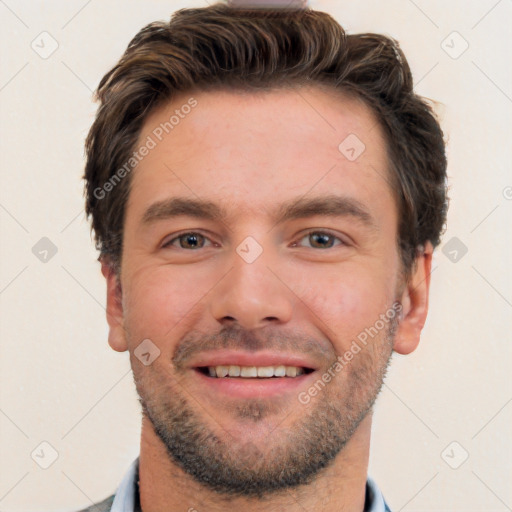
(127, 495)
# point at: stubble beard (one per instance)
(287, 458)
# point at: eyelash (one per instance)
(313, 231)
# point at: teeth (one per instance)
(253, 371)
(265, 371)
(234, 371)
(222, 371)
(280, 371)
(247, 371)
(291, 371)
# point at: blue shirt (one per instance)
(127, 495)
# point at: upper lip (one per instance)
(261, 358)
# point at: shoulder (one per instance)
(103, 506)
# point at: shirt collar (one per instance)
(127, 495)
(127, 492)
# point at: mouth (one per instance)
(253, 372)
(235, 374)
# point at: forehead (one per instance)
(251, 151)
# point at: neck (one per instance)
(338, 488)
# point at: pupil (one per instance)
(321, 238)
(191, 241)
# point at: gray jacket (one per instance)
(104, 506)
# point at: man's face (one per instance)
(302, 261)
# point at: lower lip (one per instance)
(240, 387)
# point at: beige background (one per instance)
(62, 384)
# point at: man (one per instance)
(266, 192)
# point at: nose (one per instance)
(252, 296)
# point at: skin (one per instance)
(249, 152)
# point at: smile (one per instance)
(261, 372)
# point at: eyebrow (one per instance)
(329, 206)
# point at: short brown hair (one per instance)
(222, 46)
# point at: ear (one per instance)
(414, 302)
(115, 317)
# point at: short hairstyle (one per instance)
(261, 49)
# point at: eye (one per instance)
(190, 240)
(321, 240)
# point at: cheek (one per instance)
(161, 303)
(347, 303)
